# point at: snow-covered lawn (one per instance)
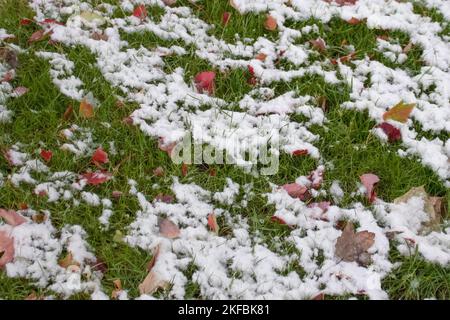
(351, 97)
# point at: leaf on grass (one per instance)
(167, 147)
(6, 249)
(351, 246)
(37, 36)
(11, 217)
(354, 21)
(407, 48)
(10, 57)
(270, 23)
(25, 22)
(168, 229)
(212, 223)
(316, 177)
(300, 152)
(277, 220)
(184, 169)
(86, 109)
(226, 18)
(324, 205)
(204, 82)
(166, 198)
(158, 172)
(99, 157)
(68, 113)
(140, 12)
(117, 289)
(400, 112)
(433, 206)
(46, 155)
(20, 91)
(369, 181)
(319, 44)
(95, 178)
(392, 132)
(296, 191)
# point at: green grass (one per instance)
(346, 142)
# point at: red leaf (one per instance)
(51, 21)
(300, 152)
(25, 21)
(6, 249)
(251, 70)
(184, 169)
(226, 18)
(212, 223)
(277, 220)
(140, 12)
(369, 181)
(95, 178)
(46, 155)
(99, 157)
(11, 217)
(392, 132)
(168, 229)
(166, 147)
(204, 82)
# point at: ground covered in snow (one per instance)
(351, 96)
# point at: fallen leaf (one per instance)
(34, 296)
(169, 2)
(351, 246)
(168, 229)
(324, 205)
(68, 261)
(354, 21)
(8, 76)
(11, 217)
(166, 198)
(152, 283)
(204, 82)
(261, 56)
(294, 189)
(408, 47)
(39, 217)
(277, 220)
(117, 289)
(25, 21)
(316, 177)
(300, 152)
(400, 112)
(99, 265)
(6, 249)
(369, 181)
(392, 132)
(140, 12)
(319, 296)
(212, 223)
(20, 91)
(226, 18)
(10, 57)
(86, 109)
(270, 23)
(155, 255)
(319, 44)
(99, 36)
(433, 206)
(99, 157)
(184, 169)
(37, 36)
(95, 178)
(116, 194)
(158, 172)
(68, 113)
(92, 16)
(167, 147)
(46, 155)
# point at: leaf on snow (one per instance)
(369, 181)
(6, 249)
(351, 246)
(68, 261)
(400, 112)
(168, 229)
(270, 23)
(11, 217)
(296, 191)
(152, 283)
(212, 223)
(392, 132)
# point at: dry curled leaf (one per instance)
(117, 289)
(68, 261)
(152, 282)
(351, 246)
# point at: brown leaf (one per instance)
(6, 249)
(10, 57)
(319, 44)
(168, 229)
(184, 169)
(117, 289)
(152, 283)
(68, 113)
(408, 47)
(86, 109)
(354, 21)
(351, 246)
(261, 56)
(270, 23)
(68, 261)
(152, 261)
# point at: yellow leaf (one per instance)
(400, 112)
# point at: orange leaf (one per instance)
(86, 109)
(270, 23)
(400, 112)
(11, 217)
(212, 223)
(261, 56)
(354, 21)
(168, 229)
